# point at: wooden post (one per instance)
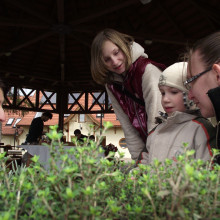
(62, 103)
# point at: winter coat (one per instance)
(214, 95)
(166, 140)
(151, 99)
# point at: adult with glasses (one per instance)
(204, 78)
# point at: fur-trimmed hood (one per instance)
(136, 51)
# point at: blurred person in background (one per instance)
(36, 128)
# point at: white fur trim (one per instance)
(136, 51)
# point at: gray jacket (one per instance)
(166, 140)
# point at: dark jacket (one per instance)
(35, 130)
(82, 136)
(214, 95)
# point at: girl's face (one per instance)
(172, 99)
(114, 58)
(2, 114)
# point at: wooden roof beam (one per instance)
(9, 22)
(144, 36)
(60, 11)
(170, 18)
(18, 72)
(35, 56)
(28, 6)
(80, 38)
(29, 42)
(60, 14)
(207, 12)
(108, 10)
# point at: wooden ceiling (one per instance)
(45, 44)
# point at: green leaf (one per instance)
(41, 193)
(157, 163)
(128, 207)
(121, 154)
(71, 169)
(107, 124)
(88, 190)
(115, 208)
(189, 170)
(185, 145)
(35, 158)
(190, 152)
(5, 216)
(2, 155)
(137, 209)
(52, 178)
(69, 193)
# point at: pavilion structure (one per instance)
(45, 45)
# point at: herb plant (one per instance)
(82, 184)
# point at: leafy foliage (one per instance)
(81, 184)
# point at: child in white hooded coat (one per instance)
(180, 124)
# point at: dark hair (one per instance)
(208, 48)
(48, 114)
(92, 137)
(77, 131)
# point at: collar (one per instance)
(214, 95)
(180, 117)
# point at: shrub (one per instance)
(93, 187)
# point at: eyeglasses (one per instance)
(188, 81)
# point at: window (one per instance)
(38, 114)
(122, 143)
(81, 118)
(10, 121)
(72, 97)
(17, 120)
(99, 115)
(101, 99)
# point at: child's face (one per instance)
(113, 57)
(172, 99)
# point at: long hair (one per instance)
(122, 41)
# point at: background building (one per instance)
(16, 126)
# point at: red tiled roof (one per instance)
(27, 118)
(9, 129)
(107, 117)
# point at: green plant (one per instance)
(82, 185)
